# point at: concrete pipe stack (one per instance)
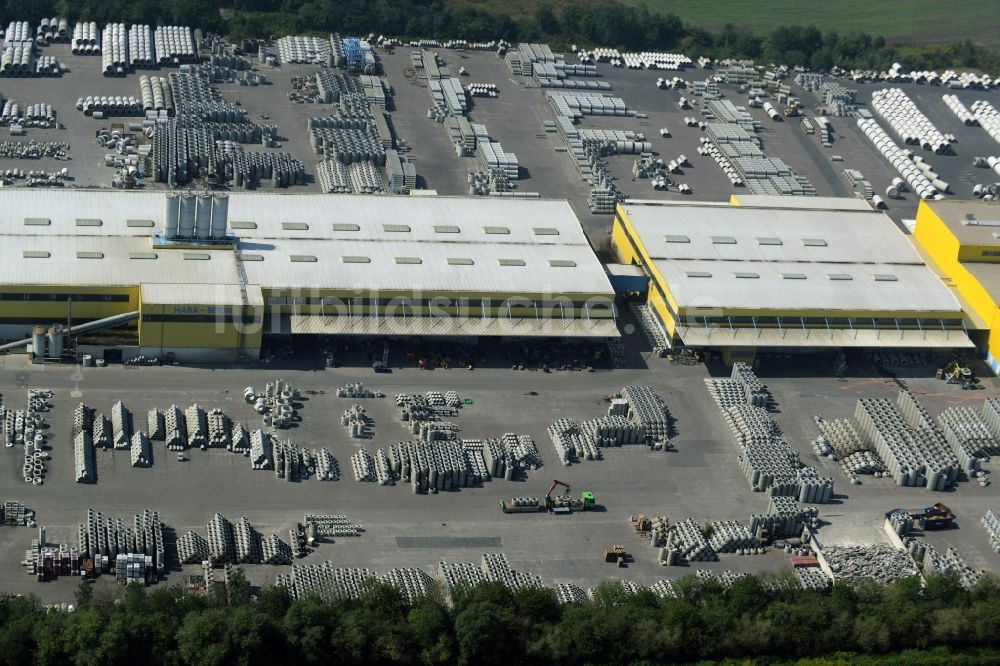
(687, 541)
(730, 536)
(899, 159)
(333, 177)
(221, 541)
(991, 522)
(218, 429)
(971, 440)
(332, 526)
(141, 453)
(261, 450)
(86, 39)
(950, 563)
(365, 178)
(173, 45)
(85, 466)
(570, 442)
(121, 422)
(909, 123)
(192, 548)
(302, 49)
(813, 578)
(110, 105)
(363, 465)
(240, 441)
(247, 542)
(114, 50)
(960, 110)
(914, 456)
(175, 429)
(141, 53)
(647, 409)
(274, 551)
(154, 424)
(196, 424)
(988, 117)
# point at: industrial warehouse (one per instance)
(207, 276)
(750, 275)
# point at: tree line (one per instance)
(585, 22)
(753, 620)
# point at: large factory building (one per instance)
(759, 274)
(207, 278)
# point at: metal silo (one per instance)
(38, 341)
(220, 215)
(203, 216)
(55, 341)
(186, 220)
(171, 215)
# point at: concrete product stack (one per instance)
(840, 441)
(461, 133)
(375, 90)
(413, 583)
(16, 514)
(730, 536)
(196, 423)
(990, 413)
(333, 86)
(401, 173)
(491, 155)
(881, 563)
(247, 542)
(448, 95)
(175, 427)
(813, 578)
(650, 327)
(570, 442)
(347, 139)
(192, 548)
(917, 174)
(913, 127)
(950, 563)
(686, 541)
(839, 100)
(988, 117)
(103, 433)
(813, 488)
(327, 468)
(567, 593)
(85, 466)
(261, 450)
(141, 452)
(221, 541)
(913, 450)
(155, 425)
(522, 59)
(383, 471)
(174, 44)
(240, 441)
(364, 465)
(121, 421)
(302, 49)
(647, 409)
(218, 428)
(576, 104)
(324, 581)
(275, 551)
(333, 177)
(968, 435)
(663, 588)
(365, 177)
(991, 522)
(730, 114)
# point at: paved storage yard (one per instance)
(699, 478)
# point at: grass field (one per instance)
(915, 21)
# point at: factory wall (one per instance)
(190, 330)
(948, 253)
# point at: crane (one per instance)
(548, 494)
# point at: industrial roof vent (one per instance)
(971, 221)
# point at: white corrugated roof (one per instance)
(737, 258)
(800, 203)
(186, 294)
(394, 233)
(790, 336)
(731, 285)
